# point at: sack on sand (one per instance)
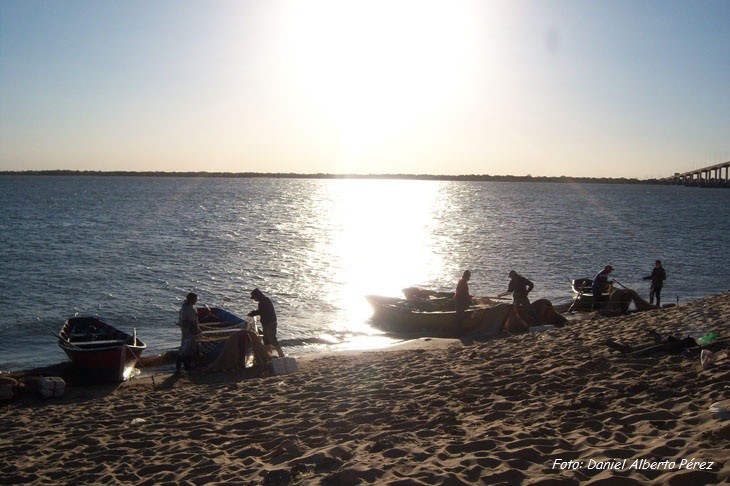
(546, 313)
(7, 385)
(620, 301)
(515, 324)
(233, 356)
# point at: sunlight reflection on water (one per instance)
(129, 248)
(381, 239)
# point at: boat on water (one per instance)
(217, 326)
(423, 318)
(99, 350)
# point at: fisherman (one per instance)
(462, 298)
(601, 285)
(268, 321)
(190, 329)
(657, 277)
(519, 287)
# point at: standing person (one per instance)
(188, 322)
(657, 277)
(519, 287)
(462, 298)
(268, 321)
(601, 285)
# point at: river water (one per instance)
(128, 249)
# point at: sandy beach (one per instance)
(552, 407)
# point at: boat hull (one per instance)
(400, 317)
(584, 302)
(98, 350)
(217, 326)
(583, 299)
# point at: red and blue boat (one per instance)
(217, 325)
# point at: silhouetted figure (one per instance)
(601, 285)
(462, 298)
(519, 287)
(268, 321)
(190, 329)
(657, 277)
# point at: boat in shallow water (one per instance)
(414, 318)
(98, 350)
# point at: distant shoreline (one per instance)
(290, 175)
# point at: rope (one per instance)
(138, 358)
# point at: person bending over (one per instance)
(268, 321)
(462, 298)
(601, 285)
(520, 287)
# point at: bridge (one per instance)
(707, 177)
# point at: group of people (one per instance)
(191, 331)
(520, 287)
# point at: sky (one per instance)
(619, 88)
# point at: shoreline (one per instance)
(558, 405)
(166, 356)
(162, 363)
(292, 175)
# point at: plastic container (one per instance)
(707, 337)
(281, 366)
(52, 386)
(721, 410)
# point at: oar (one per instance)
(576, 299)
(622, 285)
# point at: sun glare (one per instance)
(381, 240)
(376, 69)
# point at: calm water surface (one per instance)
(129, 248)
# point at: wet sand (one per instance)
(552, 407)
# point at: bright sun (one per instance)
(377, 70)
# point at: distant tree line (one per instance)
(291, 175)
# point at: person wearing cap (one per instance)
(519, 287)
(190, 329)
(462, 298)
(601, 285)
(657, 277)
(268, 321)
